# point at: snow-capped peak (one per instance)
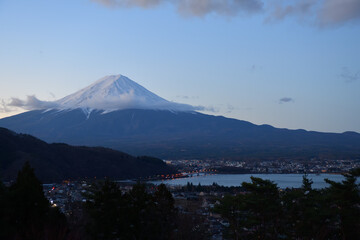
(110, 93)
(117, 92)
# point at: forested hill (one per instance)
(57, 161)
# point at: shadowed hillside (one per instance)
(60, 161)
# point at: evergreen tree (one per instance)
(256, 214)
(306, 212)
(3, 223)
(344, 198)
(26, 206)
(106, 209)
(233, 209)
(142, 213)
(26, 211)
(165, 212)
(134, 215)
(2, 188)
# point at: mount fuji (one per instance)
(117, 112)
(108, 94)
(117, 92)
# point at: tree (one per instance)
(26, 211)
(306, 212)
(142, 213)
(344, 198)
(233, 208)
(133, 215)
(263, 208)
(2, 188)
(166, 213)
(255, 214)
(107, 211)
(3, 223)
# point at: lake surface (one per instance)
(282, 180)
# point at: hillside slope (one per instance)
(54, 162)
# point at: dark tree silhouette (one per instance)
(259, 211)
(133, 215)
(344, 199)
(165, 212)
(26, 213)
(107, 212)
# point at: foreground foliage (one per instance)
(138, 214)
(261, 211)
(25, 213)
(264, 211)
(133, 215)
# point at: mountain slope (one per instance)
(110, 93)
(168, 134)
(116, 112)
(53, 162)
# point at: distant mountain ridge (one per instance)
(56, 162)
(178, 135)
(118, 113)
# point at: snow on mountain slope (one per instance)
(110, 93)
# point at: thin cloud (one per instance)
(286, 100)
(52, 95)
(280, 10)
(31, 103)
(255, 68)
(349, 77)
(229, 108)
(204, 108)
(127, 101)
(335, 12)
(322, 13)
(225, 7)
(3, 107)
(130, 3)
(183, 96)
(196, 8)
(187, 97)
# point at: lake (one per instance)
(282, 180)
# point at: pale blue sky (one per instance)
(241, 65)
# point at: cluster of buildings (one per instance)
(199, 205)
(66, 195)
(195, 205)
(275, 166)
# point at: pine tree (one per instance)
(264, 208)
(306, 212)
(165, 212)
(106, 209)
(27, 205)
(26, 211)
(3, 223)
(233, 209)
(255, 215)
(345, 200)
